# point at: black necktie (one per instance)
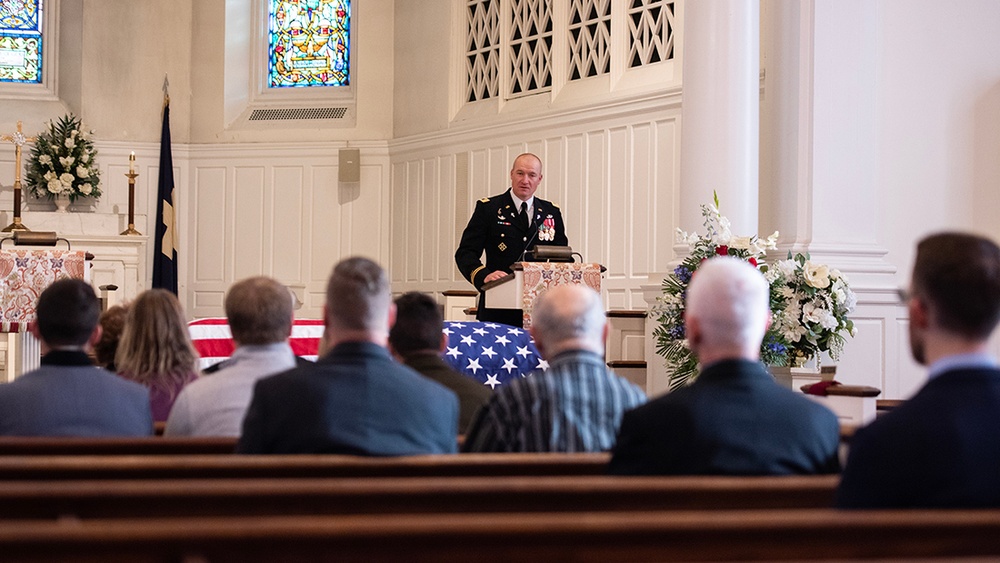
(524, 215)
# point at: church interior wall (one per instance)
(268, 201)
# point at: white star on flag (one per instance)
(491, 325)
(488, 352)
(523, 351)
(514, 331)
(480, 331)
(458, 325)
(492, 381)
(453, 352)
(509, 365)
(446, 330)
(474, 365)
(542, 365)
(502, 340)
(467, 339)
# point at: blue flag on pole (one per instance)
(165, 240)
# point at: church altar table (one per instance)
(490, 353)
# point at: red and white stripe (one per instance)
(214, 342)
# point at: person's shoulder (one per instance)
(493, 200)
(546, 205)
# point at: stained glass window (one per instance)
(21, 41)
(309, 43)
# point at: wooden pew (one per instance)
(43, 445)
(608, 536)
(99, 467)
(273, 497)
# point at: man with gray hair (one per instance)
(734, 419)
(575, 405)
(355, 399)
(259, 311)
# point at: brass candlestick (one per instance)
(19, 140)
(132, 175)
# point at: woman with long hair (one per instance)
(155, 349)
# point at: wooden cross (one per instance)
(19, 140)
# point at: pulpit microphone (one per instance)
(527, 244)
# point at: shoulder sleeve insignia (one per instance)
(485, 200)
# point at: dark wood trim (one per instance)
(627, 364)
(460, 293)
(627, 314)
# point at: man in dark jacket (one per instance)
(941, 448)
(734, 419)
(417, 339)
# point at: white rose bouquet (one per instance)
(810, 304)
(62, 162)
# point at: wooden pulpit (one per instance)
(519, 290)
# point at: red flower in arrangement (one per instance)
(722, 250)
(752, 261)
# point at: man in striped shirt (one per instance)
(574, 406)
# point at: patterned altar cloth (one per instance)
(490, 353)
(539, 276)
(24, 274)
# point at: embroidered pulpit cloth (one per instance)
(539, 276)
(24, 274)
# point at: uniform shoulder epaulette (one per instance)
(554, 205)
(484, 200)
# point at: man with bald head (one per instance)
(505, 226)
(573, 406)
(734, 419)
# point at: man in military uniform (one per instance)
(504, 226)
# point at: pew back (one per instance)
(484, 538)
(272, 497)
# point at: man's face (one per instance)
(525, 176)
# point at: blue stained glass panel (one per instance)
(309, 43)
(23, 16)
(21, 41)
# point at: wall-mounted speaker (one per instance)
(349, 171)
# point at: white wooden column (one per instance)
(720, 111)
(720, 120)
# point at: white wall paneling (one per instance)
(613, 174)
(278, 211)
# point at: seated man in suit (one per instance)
(941, 448)
(417, 339)
(259, 311)
(734, 419)
(68, 395)
(575, 405)
(355, 399)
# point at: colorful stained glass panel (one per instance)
(309, 43)
(21, 41)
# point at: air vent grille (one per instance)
(287, 114)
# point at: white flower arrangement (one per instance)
(809, 302)
(810, 305)
(62, 162)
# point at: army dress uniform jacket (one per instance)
(495, 228)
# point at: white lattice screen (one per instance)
(509, 43)
(530, 46)
(589, 38)
(482, 49)
(650, 25)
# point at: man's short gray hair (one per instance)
(569, 312)
(357, 295)
(730, 299)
